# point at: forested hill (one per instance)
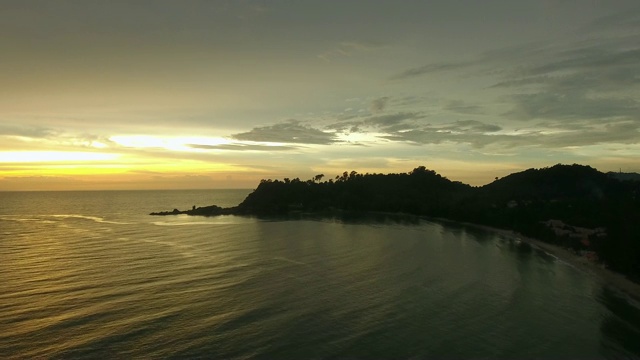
(421, 191)
(571, 205)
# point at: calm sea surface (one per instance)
(91, 275)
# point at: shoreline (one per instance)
(580, 263)
(603, 275)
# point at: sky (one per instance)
(220, 94)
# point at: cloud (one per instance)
(590, 58)
(378, 105)
(473, 132)
(520, 82)
(349, 48)
(627, 20)
(291, 131)
(431, 68)
(385, 121)
(378, 123)
(462, 107)
(27, 131)
(568, 105)
(243, 147)
(436, 136)
(591, 81)
(624, 132)
(471, 126)
(346, 126)
(582, 92)
(480, 135)
(491, 62)
(410, 100)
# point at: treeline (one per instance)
(574, 194)
(419, 192)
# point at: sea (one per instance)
(90, 275)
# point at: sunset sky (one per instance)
(220, 94)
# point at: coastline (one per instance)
(603, 275)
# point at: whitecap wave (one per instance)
(19, 218)
(92, 218)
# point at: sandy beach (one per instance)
(596, 270)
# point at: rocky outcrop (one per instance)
(212, 210)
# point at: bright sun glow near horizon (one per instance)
(182, 95)
(53, 156)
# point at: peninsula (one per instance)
(594, 215)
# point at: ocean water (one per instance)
(91, 275)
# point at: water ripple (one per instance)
(110, 283)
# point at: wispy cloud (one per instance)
(480, 135)
(463, 107)
(572, 105)
(385, 121)
(471, 126)
(378, 123)
(628, 20)
(471, 132)
(590, 58)
(349, 48)
(378, 105)
(291, 131)
(431, 68)
(243, 147)
(594, 78)
(27, 131)
(593, 82)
